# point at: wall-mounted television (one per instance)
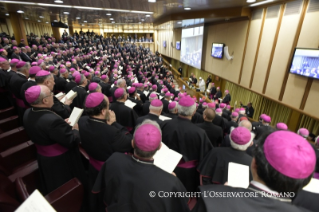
(218, 50)
(305, 62)
(164, 44)
(178, 45)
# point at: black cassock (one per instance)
(138, 108)
(124, 115)
(171, 115)
(125, 183)
(197, 118)
(165, 105)
(146, 108)
(214, 167)
(105, 88)
(100, 141)
(142, 95)
(78, 101)
(218, 95)
(192, 142)
(25, 87)
(227, 99)
(214, 133)
(307, 200)
(69, 86)
(52, 135)
(213, 91)
(61, 109)
(60, 84)
(260, 203)
(151, 117)
(16, 82)
(219, 121)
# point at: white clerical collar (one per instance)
(263, 187)
(31, 79)
(21, 74)
(9, 69)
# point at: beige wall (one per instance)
(234, 36)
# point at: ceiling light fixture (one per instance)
(39, 21)
(58, 1)
(147, 15)
(41, 16)
(111, 19)
(7, 14)
(26, 18)
(78, 17)
(113, 22)
(20, 11)
(139, 22)
(142, 19)
(179, 22)
(76, 7)
(260, 3)
(250, 1)
(46, 22)
(152, 1)
(109, 14)
(55, 21)
(66, 13)
(85, 21)
(187, 8)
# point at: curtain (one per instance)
(309, 123)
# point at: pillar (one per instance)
(71, 31)
(18, 27)
(56, 33)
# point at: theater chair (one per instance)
(67, 197)
(17, 158)
(13, 138)
(9, 124)
(6, 113)
(8, 195)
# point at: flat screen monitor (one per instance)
(191, 50)
(178, 45)
(218, 50)
(164, 44)
(305, 62)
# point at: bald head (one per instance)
(209, 114)
(246, 124)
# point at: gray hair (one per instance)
(172, 110)
(155, 108)
(82, 79)
(40, 80)
(119, 82)
(26, 66)
(246, 124)
(124, 93)
(186, 111)
(97, 88)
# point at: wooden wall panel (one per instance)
(294, 90)
(266, 44)
(281, 56)
(255, 26)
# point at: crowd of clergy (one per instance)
(121, 140)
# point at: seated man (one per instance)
(125, 181)
(214, 167)
(275, 178)
(156, 109)
(56, 141)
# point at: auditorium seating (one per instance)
(19, 174)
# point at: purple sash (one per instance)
(188, 164)
(316, 175)
(51, 150)
(110, 98)
(129, 128)
(96, 163)
(20, 102)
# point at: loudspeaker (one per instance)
(227, 53)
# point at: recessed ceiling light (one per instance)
(108, 14)
(147, 15)
(85, 21)
(179, 22)
(82, 25)
(58, 1)
(78, 17)
(139, 22)
(142, 19)
(187, 8)
(55, 21)
(250, 1)
(26, 18)
(20, 11)
(111, 19)
(46, 22)
(152, 1)
(67, 13)
(41, 16)
(39, 21)
(7, 14)
(113, 22)
(260, 3)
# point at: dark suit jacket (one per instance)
(214, 133)
(219, 121)
(25, 57)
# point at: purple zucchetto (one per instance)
(118, 93)
(94, 99)
(303, 132)
(131, 90)
(14, 61)
(281, 126)
(77, 78)
(186, 101)
(154, 87)
(51, 68)
(240, 136)
(218, 110)
(172, 105)
(157, 103)
(147, 137)
(103, 77)
(284, 148)
(222, 105)
(234, 114)
(32, 93)
(267, 119)
(62, 70)
(153, 95)
(34, 64)
(42, 73)
(93, 86)
(20, 64)
(34, 70)
(211, 105)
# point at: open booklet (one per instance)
(312, 186)
(71, 95)
(164, 118)
(238, 175)
(166, 158)
(59, 94)
(146, 92)
(35, 203)
(75, 116)
(129, 103)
